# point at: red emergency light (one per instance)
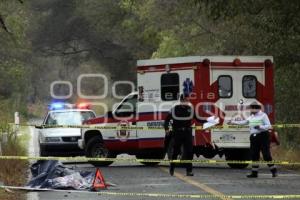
(83, 105)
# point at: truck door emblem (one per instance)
(123, 135)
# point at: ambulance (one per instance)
(217, 85)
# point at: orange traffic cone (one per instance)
(98, 182)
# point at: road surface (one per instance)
(214, 179)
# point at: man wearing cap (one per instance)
(182, 115)
(259, 124)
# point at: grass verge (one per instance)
(13, 172)
(289, 149)
(287, 154)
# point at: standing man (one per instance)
(182, 115)
(259, 125)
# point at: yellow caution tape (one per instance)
(133, 160)
(122, 127)
(201, 196)
(170, 195)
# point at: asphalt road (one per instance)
(214, 179)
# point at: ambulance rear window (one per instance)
(249, 86)
(225, 86)
(169, 86)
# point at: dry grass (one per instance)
(13, 172)
(36, 110)
(289, 149)
(292, 155)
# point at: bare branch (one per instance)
(3, 25)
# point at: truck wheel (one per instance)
(239, 155)
(96, 149)
(151, 155)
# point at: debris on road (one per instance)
(54, 175)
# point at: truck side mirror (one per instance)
(38, 126)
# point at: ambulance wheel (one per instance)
(96, 149)
(209, 152)
(237, 155)
(156, 155)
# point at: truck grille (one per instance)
(70, 139)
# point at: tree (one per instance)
(14, 51)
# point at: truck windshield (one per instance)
(68, 117)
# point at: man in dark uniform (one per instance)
(182, 115)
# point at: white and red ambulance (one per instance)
(219, 85)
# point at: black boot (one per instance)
(253, 174)
(274, 172)
(189, 173)
(171, 170)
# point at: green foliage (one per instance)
(65, 38)
(170, 46)
(14, 54)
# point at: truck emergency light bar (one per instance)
(63, 106)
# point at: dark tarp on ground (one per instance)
(53, 174)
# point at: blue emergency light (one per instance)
(56, 106)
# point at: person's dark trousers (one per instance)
(183, 138)
(167, 140)
(261, 142)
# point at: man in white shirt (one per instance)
(259, 124)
